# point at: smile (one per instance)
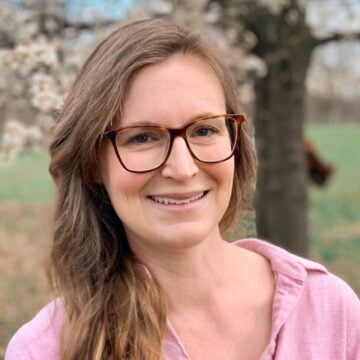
(173, 201)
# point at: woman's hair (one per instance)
(114, 308)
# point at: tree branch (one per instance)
(337, 37)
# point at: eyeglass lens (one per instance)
(145, 148)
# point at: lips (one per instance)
(178, 199)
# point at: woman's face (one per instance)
(172, 93)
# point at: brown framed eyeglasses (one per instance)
(144, 148)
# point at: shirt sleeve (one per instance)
(17, 350)
(353, 325)
(39, 338)
(29, 344)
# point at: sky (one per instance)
(85, 9)
(328, 16)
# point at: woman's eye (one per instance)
(141, 139)
(204, 131)
(137, 140)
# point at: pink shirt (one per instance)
(316, 316)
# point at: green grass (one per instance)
(26, 180)
(334, 211)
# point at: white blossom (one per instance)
(45, 123)
(66, 82)
(274, 6)
(247, 93)
(292, 17)
(33, 135)
(159, 7)
(47, 101)
(13, 139)
(17, 137)
(213, 14)
(7, 60)
(39, 54)
(249, 39)
(41, 82)
(25, 58)
(254, 65)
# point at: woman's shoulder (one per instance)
(39, 338)
(311, 306)
(288, 264)
(310, 281)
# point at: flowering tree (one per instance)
(40, 54)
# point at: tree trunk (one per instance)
(281, 198)
(285, 43)
(281, 189)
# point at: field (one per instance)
(334, 211)
(26, 197)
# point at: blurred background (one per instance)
(296, 64)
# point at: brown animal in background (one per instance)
(319, 172)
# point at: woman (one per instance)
(152, 158)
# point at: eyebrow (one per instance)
(150, 123)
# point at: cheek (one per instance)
(225, 177)
(123, 185)
(119, 182)
(224, 174)
(124, 188)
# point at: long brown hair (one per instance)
(114, 309)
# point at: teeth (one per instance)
(166, 201)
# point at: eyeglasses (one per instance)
(210, 139)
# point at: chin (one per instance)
(186, 237)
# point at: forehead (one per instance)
(172, 92)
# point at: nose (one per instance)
(180, 165)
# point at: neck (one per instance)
(194, 275)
